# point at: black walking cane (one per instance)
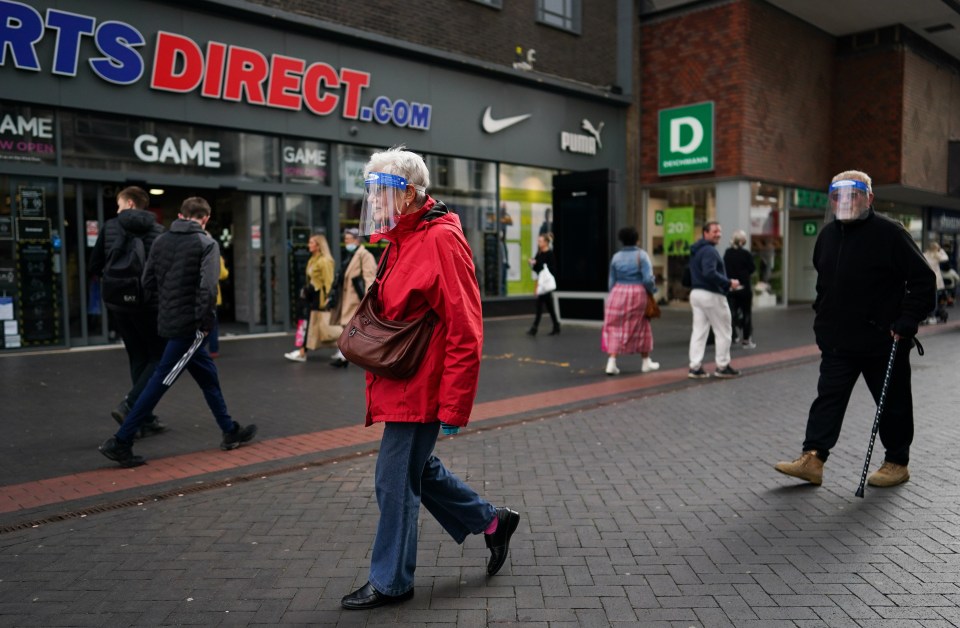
(876, 419)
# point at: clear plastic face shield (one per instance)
(848, 199)
(382, 202)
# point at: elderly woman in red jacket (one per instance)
(429, 266)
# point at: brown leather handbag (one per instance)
(391, 349)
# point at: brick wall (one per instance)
(694, 57)
(868, 114)
(770, 77)
(490, 35)
(787, 105)
(931, 117)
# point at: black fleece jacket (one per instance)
(183, 270)
(870, 274)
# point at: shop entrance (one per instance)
(252, 228)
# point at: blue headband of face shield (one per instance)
(388, 180)
(836, 186)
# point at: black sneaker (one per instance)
(726, 372)
(121, 452)
(697, 373)
(152, 427)
(120, 412)
(239, 436)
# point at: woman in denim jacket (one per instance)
(625, 328)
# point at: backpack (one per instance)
(120, 282)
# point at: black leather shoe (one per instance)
(532, 331)
(499, 541)
(367, 597)
(340, 363)
(555, 332)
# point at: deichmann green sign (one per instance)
(677, 230)
(809, 228)
(686, 139)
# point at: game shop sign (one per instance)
(27, 135)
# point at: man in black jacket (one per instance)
(137, 325)
(873, 288)
(182, 270)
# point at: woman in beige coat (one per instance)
(358, 269)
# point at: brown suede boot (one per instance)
(889, 474)
(807, 467)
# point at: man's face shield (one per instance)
(382, 202)
(848, 199)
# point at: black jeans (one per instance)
(144, 347)
(546, 300)
(741, 311)
(838, 375)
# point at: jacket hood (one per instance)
(138, 221)
(699, 244)
(182, 225)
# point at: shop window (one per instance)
(766, 242)
(562, 14)
(526, 199)
(675, 218)
(468, 188)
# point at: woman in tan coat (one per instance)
(317, 287)
(357, 272)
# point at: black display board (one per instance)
(39, 320)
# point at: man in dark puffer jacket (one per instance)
(137, 327)
(182, 270)
(873, 288)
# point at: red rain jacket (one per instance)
(430, 266)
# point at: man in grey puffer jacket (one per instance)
(182, 270)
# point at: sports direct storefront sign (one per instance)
(178, 64)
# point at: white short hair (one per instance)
(399, 161)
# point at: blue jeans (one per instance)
(203, 370)
(407, 474)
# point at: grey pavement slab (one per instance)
(657, 511)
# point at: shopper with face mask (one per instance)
(358, 268)
(873, 288)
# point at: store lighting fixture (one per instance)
(156, 191)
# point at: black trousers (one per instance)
(144, 347)
(741, 310)
(838, 375)
(546, 301)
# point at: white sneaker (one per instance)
(749, 344)
(649, 365)
(295, 356)
(612, 367)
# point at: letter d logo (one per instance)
(676, 126)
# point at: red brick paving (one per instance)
(108, 480)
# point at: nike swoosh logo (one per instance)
(495, 126)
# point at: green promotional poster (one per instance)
(677, 230)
